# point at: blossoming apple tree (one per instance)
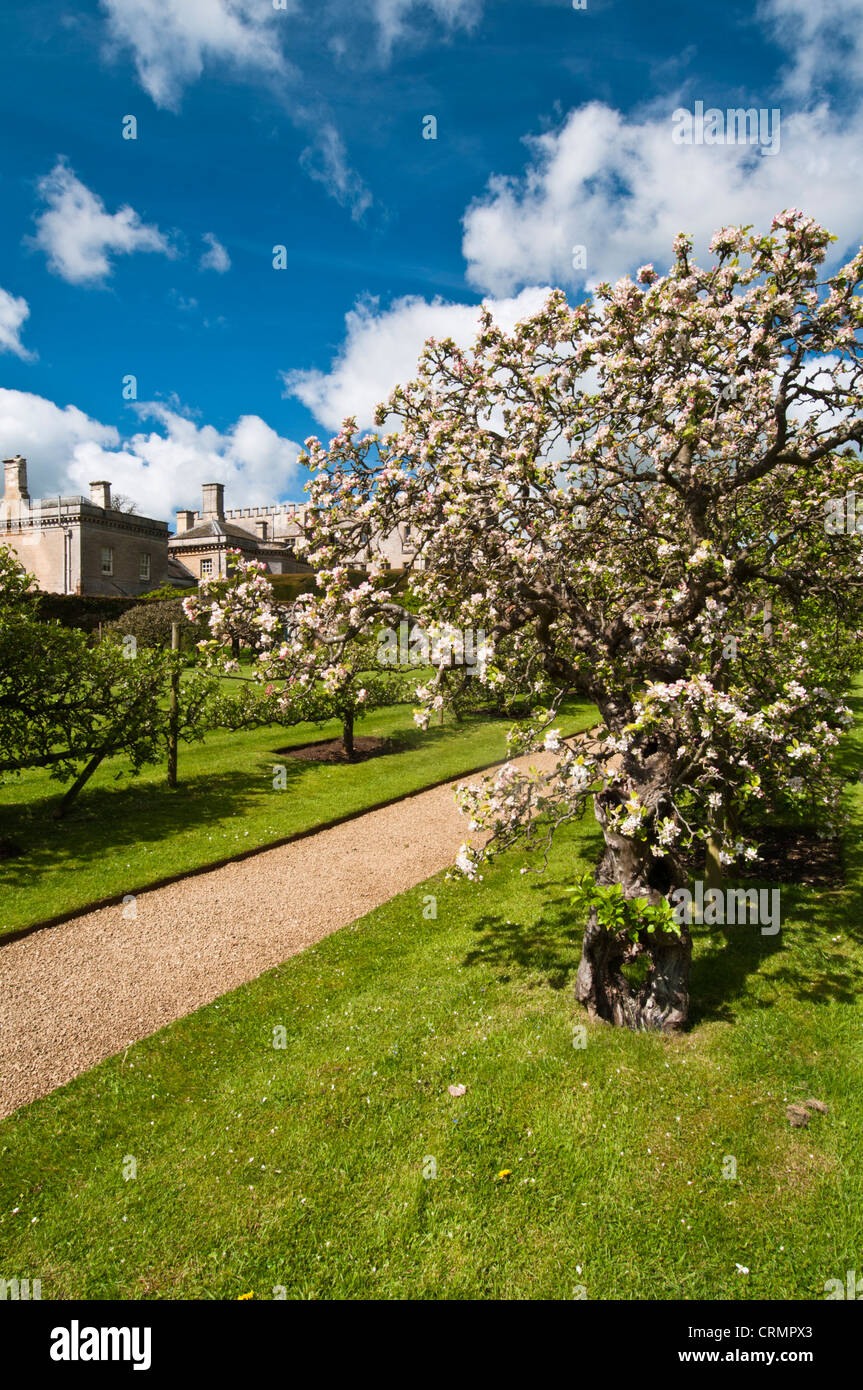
(629, 496)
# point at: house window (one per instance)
(107, 560)
(144, 567)
(206, 568)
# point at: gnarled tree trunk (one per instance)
(661, 1002)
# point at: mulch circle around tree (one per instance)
(331, 750)
(787, 854)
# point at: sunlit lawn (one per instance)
(311, 1168)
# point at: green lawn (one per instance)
(124, 834)
(303, 1167)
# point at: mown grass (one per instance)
(127, 832)
(302, 1168)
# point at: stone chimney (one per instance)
(261, 528)
(214, 502)
(185, 521)
(15, 471)
(100, 495)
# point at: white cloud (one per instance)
(187, 304)
(161, 468)
(326, 161)
(216, 258)
(79, 236)
(47, 434)
(381, 349)
(391, 17)
(13, 311)
(619, 187)
(173, 40)
(822, 375)
(825, 41)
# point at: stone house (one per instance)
(204, 538)
(267, 533)
(80, 545)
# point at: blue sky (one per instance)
(303, 126)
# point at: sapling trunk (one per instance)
(174, 711)
(348, 733)
(80, 781)
(712, 863)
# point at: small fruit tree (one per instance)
(67, 704)
(301, 671)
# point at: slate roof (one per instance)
(206, 530)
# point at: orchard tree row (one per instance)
(68, 704)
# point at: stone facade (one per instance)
(267, 533)
(204, 539)
(79, 545)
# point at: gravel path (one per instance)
(78, 992)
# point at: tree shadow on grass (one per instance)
(722, 974)
(550, 945)
(108, 820)
(809, 970)
(411, 740)
(813, 968)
